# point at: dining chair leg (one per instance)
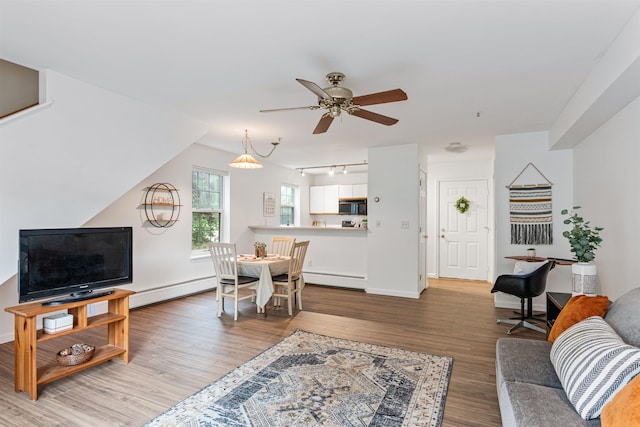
(235, 304)
(220, 302)
(289, 300)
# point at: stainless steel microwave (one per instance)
(352, 207)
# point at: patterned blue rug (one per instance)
(314, 380)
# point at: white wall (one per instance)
(473, 169)
(606, 178)
(392, 251)
(513, 153)
(61, 165)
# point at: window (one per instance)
(287, 205)
(207, 207)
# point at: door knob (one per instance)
(442, 236)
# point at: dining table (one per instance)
(263, 268)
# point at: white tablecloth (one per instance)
(263, 269)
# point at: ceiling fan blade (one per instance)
(374, 117)
(315, 89)
(323, 124)
(312, 107)
(380, 97)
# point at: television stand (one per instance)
(28, 375)
(79, 296)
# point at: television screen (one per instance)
(73, 261)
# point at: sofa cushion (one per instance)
(593, 363)
(624, 317)
(525, 360)
(624, 408)
(532, 405)
(577, 309)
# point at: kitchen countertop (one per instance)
(314, 228)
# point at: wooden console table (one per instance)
(28, 376)
(558, 261)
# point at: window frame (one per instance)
(295, 206)
(222, 209)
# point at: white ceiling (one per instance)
(471, 69)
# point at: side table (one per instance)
(555, 303)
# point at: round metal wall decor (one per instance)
(162, 205)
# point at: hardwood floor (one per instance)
(178, 347)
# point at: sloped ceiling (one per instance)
(471, 69)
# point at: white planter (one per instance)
(585, 279)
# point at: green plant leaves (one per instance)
(583, 239)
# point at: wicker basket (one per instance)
(76, 354)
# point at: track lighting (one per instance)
(332, 168)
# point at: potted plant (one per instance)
(261, 249)
(584, 240)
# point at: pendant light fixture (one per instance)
(246, 160)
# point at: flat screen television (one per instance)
(73, 262)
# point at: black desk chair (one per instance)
(524, 286)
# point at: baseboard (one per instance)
(392, 293)
(173, 291)
(337, 280)
(6, 338)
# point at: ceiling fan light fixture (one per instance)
(344, 170)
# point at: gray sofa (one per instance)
(529, 391)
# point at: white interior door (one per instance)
(463, 247)
(423, 232)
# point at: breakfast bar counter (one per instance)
(337, 256)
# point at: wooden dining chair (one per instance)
(290, 285)
(281, 245)
(229, 283)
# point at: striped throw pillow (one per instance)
(593, 363)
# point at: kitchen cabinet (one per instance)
(345, 191)
(353, 191)
(323, 199)
(359, 191)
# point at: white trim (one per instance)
(25, 112)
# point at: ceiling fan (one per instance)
(336, 99)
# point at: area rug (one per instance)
(314, 380)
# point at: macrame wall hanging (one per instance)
(530, 211)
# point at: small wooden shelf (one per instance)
(92, 322)
(28, 377)
(54, 371)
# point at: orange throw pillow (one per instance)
(577, 309)
(624, 409)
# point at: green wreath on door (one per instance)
(462, 205)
